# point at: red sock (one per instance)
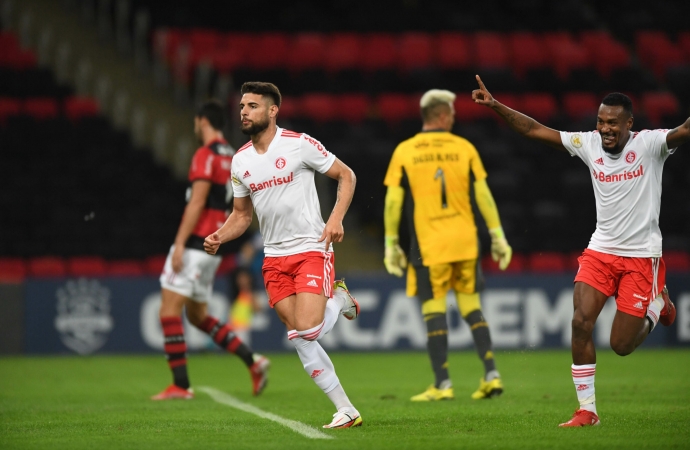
(176, 349)
(223, 335)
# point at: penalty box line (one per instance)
(297, 427)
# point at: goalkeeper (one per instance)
(432, 174)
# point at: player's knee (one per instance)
(582, 325)
(434, 306)
(468, 303)
(622, 347)
(196, 318)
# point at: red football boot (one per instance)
(172, 392)
(582, 418)
(259, 372)
(668, 312)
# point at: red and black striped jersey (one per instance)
(212, 163)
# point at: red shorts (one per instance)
(634, 281)
(304, 272)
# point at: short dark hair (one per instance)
(262, 88)
(214, 111)
(618, 99)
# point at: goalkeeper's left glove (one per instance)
(500, 250)
(394, 259)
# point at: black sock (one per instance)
(180, 377)
(437, 345)
(482, 339)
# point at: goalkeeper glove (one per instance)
(500, 250)
(394, 260)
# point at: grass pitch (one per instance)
(103, 402)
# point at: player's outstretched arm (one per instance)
(334, 231)
(679, 135)
(236, 224)
(519, 122)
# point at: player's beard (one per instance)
(254, 127)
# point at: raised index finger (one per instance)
(481, 83)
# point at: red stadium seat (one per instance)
(379, 53)
(343, 52)
(684, 43)
(547, 262)
(12, 270)
(77, 107)
(269, 51)
(579, 105)
(86, 266)
(166, 42)
(47, 266)
(125, 268)
(307, 51)
(415, 51)
(607, 54)
(467, 111)
(225, 60)
(677, 261)
(658, 52)
(319, 107)
(527, 51)
(491, 51)
(9, 107)
(354, 108)
(396, 107)
(453, 51)
(153, 265)
(657, 105)
(41, 108)
(12, 55)
(566, 54)
(290, 107)
(541, 106)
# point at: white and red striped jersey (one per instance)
(281, 185)
(627, 189)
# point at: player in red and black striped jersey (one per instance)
(187, 278)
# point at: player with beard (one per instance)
(624, 253)
(187, 278)
(274, 173)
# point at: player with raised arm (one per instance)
(624, 254)
(274, 174)
(187, 278)
(431, 175)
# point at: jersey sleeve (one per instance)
(655, 141)
(315, 155)
(202, 165)
(395, 169)
(577, 143)
(238, 188)
(478, 170)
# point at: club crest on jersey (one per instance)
(576, 140)
(630, 157)
(281, 163)
(273, 182)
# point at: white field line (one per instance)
(229, 400)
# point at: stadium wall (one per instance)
(106, 315)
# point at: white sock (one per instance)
(330, 317)
(339, 398)
(583, 377)
(654, 311)
(317, 364)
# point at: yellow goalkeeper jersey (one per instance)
(437, 169)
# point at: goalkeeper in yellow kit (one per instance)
(432, 174)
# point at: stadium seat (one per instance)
(467, 111)
(517, 265)
(657, 52)
(353, 108)
(546, 262)
(415, 51)
(86, 266)
(12, 270)
(153, 265)
(8, 107)
(306, 51)
(125, 268)
(319, 107)
(541, 106)
(565, 54)
(684, 43)
(47, 266)
(453, 51)
(579, 105)
(290, 107)
(343, 52)
(270, 51)
(658, 105)
(41, 108)
(677, 261)
(394, 108)
(607, 54)
(379, 53)
(76, 108)
(491, 51)
(527, 52)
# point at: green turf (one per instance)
(102, 402)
